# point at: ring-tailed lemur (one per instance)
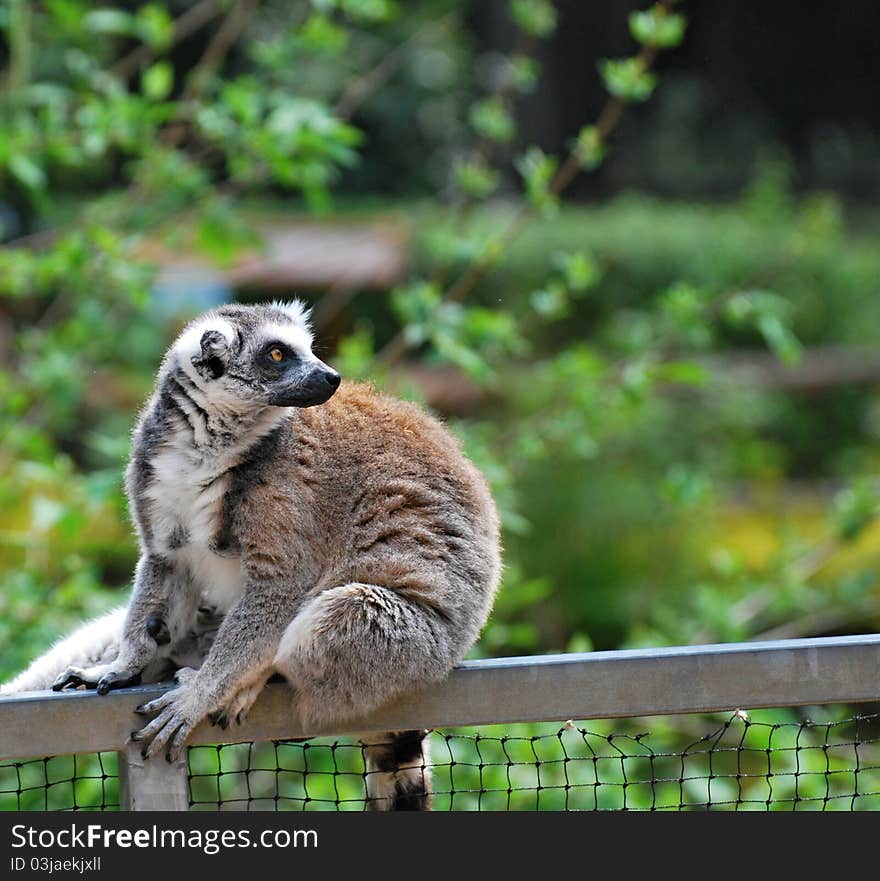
(350, 547)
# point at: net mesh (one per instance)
(733, 762)
(87, 782)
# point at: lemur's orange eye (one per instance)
(276, 355)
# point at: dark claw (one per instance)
(117, 680)
(239, 719)
(105, 683)
(136, 735)
(66, 679)
(219, 718)
(142, 710)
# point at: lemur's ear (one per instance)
(215, 355)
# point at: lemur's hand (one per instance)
(135, 654)
(102, 677)
(179, 711)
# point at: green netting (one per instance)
(86, 782)
(733, 762)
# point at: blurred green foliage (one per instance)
(651, 493)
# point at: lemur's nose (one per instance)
(332, 378)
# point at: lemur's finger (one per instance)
(68, 677)
(118, 679)
(177, 742)
(157, 704)
(151, 731)
(169, 725)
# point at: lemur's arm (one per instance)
(239, 663)
(156, 587)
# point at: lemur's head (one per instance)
(255, 354)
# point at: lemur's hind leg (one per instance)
(351, 649)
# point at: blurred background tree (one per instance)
(629, 252)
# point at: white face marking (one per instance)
(297, 310)
(296, 336)
(189, 343)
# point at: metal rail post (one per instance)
(152, 785)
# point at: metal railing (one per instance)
(600, 685)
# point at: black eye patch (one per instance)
(278, 355)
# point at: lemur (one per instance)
(288, 524)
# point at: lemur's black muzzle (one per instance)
(317, 387)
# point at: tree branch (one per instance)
(188, 23)
(359, 89)
(218, 47)
(605, 124)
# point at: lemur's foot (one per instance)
(102, 677)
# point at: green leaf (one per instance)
(416, 303)
(372, 11)
(490, 119)
(551, 302)
(355, 352)
(579, 270)
(490, 329)
(222, 233)
(627, 78)
(767, 313)
(682, 373)
(535, 17)
(110, 21)
(158, 81)
(590, 148)
(27, 172)
(684, 314)
(67, 13)
(537, 170)
(746, 307)
(657, 27)
(477, 179)
(321, 34)
(45, 513)
(854, 509)
(780, 340)
(685, 486)
(524, 73)
(155, 26)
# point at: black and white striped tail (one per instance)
(398, 774)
